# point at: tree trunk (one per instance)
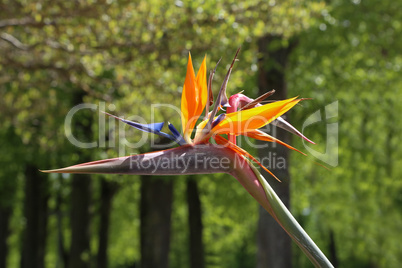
(156, 210)
(79, 255)
(195, 224)
(80, 219)
(5, 215)
(35, 210)
(62, 260)
(332, 249)
(108, 190)
(13, 146)
(274, 245)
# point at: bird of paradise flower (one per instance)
(244, 116)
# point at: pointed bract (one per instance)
(181, 160)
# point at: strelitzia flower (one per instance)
(204, 149)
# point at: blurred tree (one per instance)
(108, 190)
(80, 254)
(36, 215)
(156, 209)
(9, 184)
(196, 247)
(274, 245)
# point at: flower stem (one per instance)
(282, 215)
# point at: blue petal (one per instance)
(218, 120)
(154, 128)
(226, 105)
(178, 137)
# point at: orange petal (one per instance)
(194, 97)
(221, 140)
(259, 135)
(202, 86)
(248, 120)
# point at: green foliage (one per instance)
(356, 62)
(131, 54)
(125, 224)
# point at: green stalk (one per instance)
(283, 216)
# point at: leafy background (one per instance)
(131, 54)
